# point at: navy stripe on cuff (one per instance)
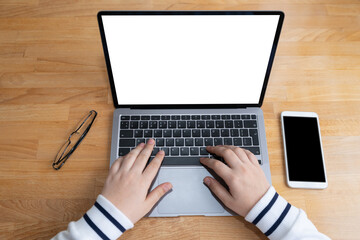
(111, 218)
(277, 223)
(266, 209)
(95, 228)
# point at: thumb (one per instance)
(155, 195)
(219, 190)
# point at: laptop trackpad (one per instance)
(189, 195)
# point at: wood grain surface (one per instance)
(52, 71)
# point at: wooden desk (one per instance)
(52, 71)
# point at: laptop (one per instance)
(189, 79)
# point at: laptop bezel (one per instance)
(189, 106)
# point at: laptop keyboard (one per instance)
(184, 137)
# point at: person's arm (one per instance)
(124, 199)
(251, 196)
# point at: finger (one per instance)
(252, 157)
(153, 167)
(220, 168)
(115, 166)
(129, 159)
(228, 154)
(219, 190)
(144, 156)
(240, 153)
(155, 195)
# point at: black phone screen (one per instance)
(303, 149)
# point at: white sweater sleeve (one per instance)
(102, 221)
(277, 219)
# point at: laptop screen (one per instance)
(189, 59)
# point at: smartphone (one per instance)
(304, 158)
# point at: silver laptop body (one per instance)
(197, 67)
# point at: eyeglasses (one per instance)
(74, 140)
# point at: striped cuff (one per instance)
(273, 215)
(104, 221)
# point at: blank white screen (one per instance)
(189, 59)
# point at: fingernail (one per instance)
(141, 144)
(207, 181)
(167, 187)
(161, 152)
(151, 141)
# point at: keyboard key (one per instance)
(238, 124)
(179, 142)
(125, 117)
(124, 124)
(189, 142)
(166, 150)
(172, 124)
(225, 132)
(195, 117)
(203, 151)
(176, 133)
(237, 142)
(218, 141)
(155, 151)
(144, 124)
(170, 142)
(254, 150)
(250, 124)
(160, 142)
(235, 116)
(215, 132)
(153, 124)
(174, 151)
(140, 140)
(199, 142)
(155, 117)
(245, 116)
(259, 160)
(215, 117)
(148, 133)
(205, 117)
(219, 124)
(134, 124)
(196, 133)
(163, 124)
(135, 117)
(185, 117)
(200, 124)
(210, 124)
(244, 132)
(167, 133)
(123, 151)
(253, 116)
(229, 124)
(186, 133)
(209, 142)
(181, 124)
(247, 141)
(184, 151)
(228, 141)
(157, 133)
(165, 117)
(126, 133)
(190, 124)
(145, 117)
(255, 136)
(139, 133)
(205, 133)
(234, 132)
(225, 116)
(194, 151)
(175, 117)
(127, 143)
